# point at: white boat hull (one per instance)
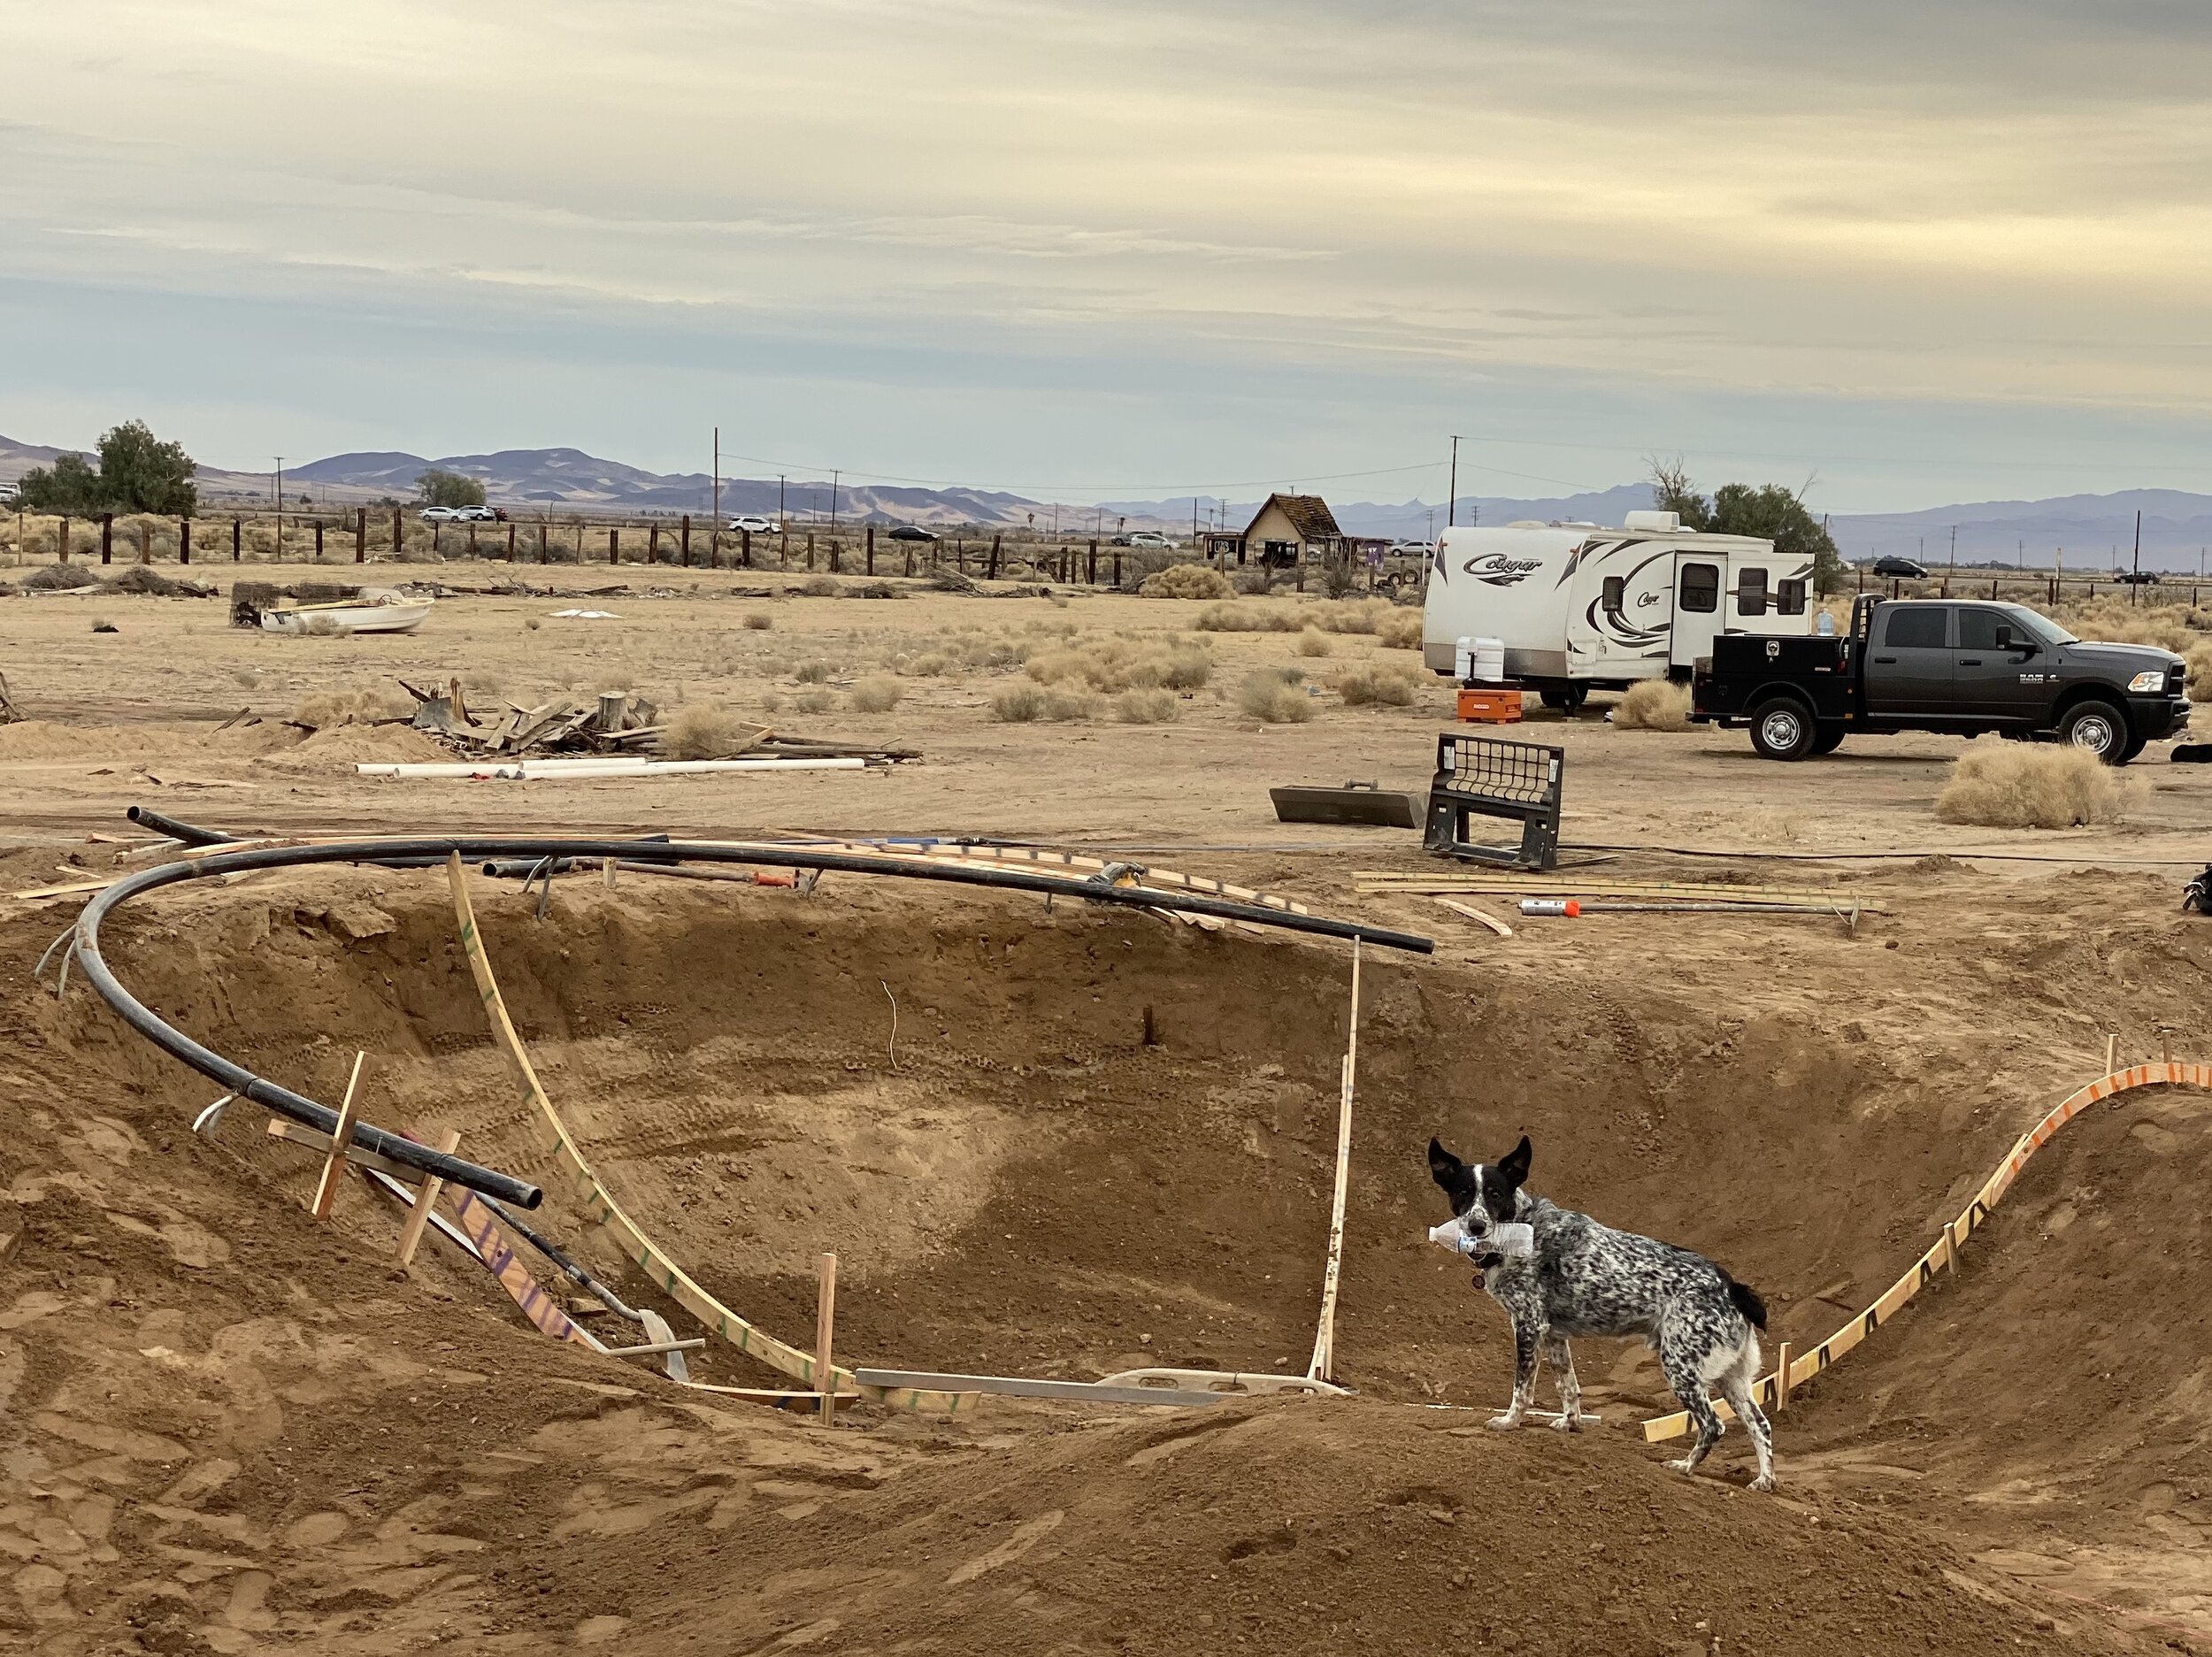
(348, 618)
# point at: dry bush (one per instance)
(1123, 662)
(60, 577)
(936, 664)
(983, 651)
(759, 620)
(1270, 700)
(1187, 580)
(814, 702)
(1381, 684)
(1400, 630)
(1313, 641)
(704, 732)
(324, 627)
(772, 702)
(876, 693)
(1147, 707)
(2175, 627)
(248, 677)
(1018, 703)
(821, 587)
(1070, 704)
(531, 623)
(1996, 784)
(1654, 704)
(327, 708)
(1248, 619)
(815, 672)
(2200, 674)
(1256, 581)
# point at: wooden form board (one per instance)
(1024, 1386)
(1323, 1364)
(599, 1203)
(1374, 882)
(480, 1226)
(1805, 1365)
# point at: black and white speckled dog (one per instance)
(1583, 1279)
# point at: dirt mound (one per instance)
(59, 577)
(342, 746)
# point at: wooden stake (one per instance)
(1782, 1378)
(1950, 1245)
(1324, 1361)
(2111, 1050)
(425, 1200)
(825, 1318)
(326, 1187)
(607, 866)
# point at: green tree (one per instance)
(70, 487)
(137, 473)
(448, 488)
(141, 473)
(1766, 510)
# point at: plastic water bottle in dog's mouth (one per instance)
(1514, 1239)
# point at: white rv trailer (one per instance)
(1581, 608)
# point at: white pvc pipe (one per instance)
(553, 770)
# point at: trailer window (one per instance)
(1700, 587)
(1912, 627)
(1789, 597)
(1613, 594)
(1751, 592)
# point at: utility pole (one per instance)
(1954, 550)
(280, 507)
(780, 519)
(834, 475)
(716, 508)
(1451, 489)
(2135, 590)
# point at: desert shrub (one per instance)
(1996, 784)
(1018, 703)
(1122, 663)
(1313, 641)
(815, 672)
(759, 620)
(1147, 707)
(1187, 580)
(1256, 581)
(1654, 704)
(935, 664)
(876, 693)
(813, 702)
(2200, 674)
(1070, 704)
(327, 708)
(703, 732)
(1272, 700)
(772, 702)
(1248, 619)
(247, 677)
(984, 651)
(2175, 627)
(1338, 577)
(324, 627)
(531, 623)
(60, 577)
(1378, 684)
(1400, 629)
(821, 587)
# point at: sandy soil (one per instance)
(230, 1428)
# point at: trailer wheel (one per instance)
(1828, 739)
(1782, 727)
(1566, 698)
(2100, 727)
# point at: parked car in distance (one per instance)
(1903, 569)
(476, 515)
(753, 524)
(2136, 578)
(1416, 548)
(911, 532)
(1153, 539)
(441, 514)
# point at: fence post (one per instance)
(871, 549)
(399, 532)
(107, 537)
(783, 545)
(360, 534)
(837, 555)
(744, 549)
(809, 551)
(1090, 570)
(184, 540)
(614, 546)
(237, 540)
(993, 576)
(686, 540)
(545, 542)
(652, 543)
(909, 558)
(436, 530)
(1118, 568)
(145, 542)
(61, 539)
(318, 541)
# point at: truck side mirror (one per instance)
(2004, 636)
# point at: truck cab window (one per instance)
(1751, 592)
(1789, 597)
(1700, 587)
(1915, 628)
(1978, 628)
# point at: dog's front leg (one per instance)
(1563, 1375)
(1527, 1338)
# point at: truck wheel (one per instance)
(1782, 727)
(1828, 739)
(2100, 727)
(1566, 698)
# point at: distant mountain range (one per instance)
(2091, 529)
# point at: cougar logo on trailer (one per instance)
(1499, 570)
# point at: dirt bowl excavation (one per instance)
(1056, 1135)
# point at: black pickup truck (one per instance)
(1930, 664)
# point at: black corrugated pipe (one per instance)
(430, 850)
(191, 834)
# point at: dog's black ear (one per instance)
(1444, 1167)
(1513, 1164)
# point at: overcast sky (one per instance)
(1928, 251)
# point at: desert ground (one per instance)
(232, 1428)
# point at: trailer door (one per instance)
(1698, 585)
(1619, 604)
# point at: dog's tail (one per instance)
(1746, 1300)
